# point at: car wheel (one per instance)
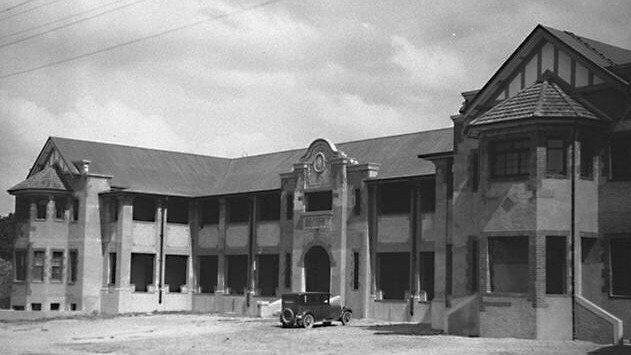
(308, 320)
(287, 317)
(346, 317)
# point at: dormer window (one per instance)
(509, 158)
(318, 201)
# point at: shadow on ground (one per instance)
(403, 329)
(612, 350)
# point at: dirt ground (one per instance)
(196, 333)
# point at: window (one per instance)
(510, 158)
(210, 212)
(20, 265)
(587, 159)
(22, 209)
(428, 196)
(449, 257)
(41, 208)
(177, 210)
(269, 207)
(239, 210)
(142, 271)
(56, 265)
(426, 263)
(54, 306)
(475, 267)
(355, 270)
(144, 209)
(555, 156)
(208, 273)
(508, 264)
(394, 274)
(318, 201)
(113, 206)
(357, 208)
(175, 267)
(18, 308)
(620, 265)
(267, 274)
(394, 198)
(73, 306)
(475, 170)
(290, 206)
(111, 278)
(72, 266)
(60, 207)
(38, 265)
(75, 209)
(555, 265)
(237, 273)
(621, 157)
(36, 306)
(288, 270)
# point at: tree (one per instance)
(7, 236)
(7, 240)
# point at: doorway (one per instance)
(318, 270)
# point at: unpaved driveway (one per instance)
(195, 333)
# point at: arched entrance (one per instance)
(318, 270)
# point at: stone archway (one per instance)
(317, 270)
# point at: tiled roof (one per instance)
(602, 54)
(46, 179)
(181, 174)
(541, 100)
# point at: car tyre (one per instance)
(346, 317)
(308, 320)
(287, 317)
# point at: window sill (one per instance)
(392, 301)
(56, 282)
(559, 176)
(506, 294)
(622, 297)
(509, 178)
(59, 220)
(19, 281)
(319, 213)
(587, 178)
(557, 295)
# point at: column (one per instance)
(252, 245)
(372, 238)
(124, 242)
(221, 246)
(440, 246)
(192, 267)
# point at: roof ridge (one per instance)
(566, 97)
(583, 42)
(539, 107)
(139, 147)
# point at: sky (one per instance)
(254, 81)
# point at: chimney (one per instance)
(84, 166)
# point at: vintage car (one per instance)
(306, 308)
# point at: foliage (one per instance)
(7, 236)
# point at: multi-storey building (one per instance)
(515, 222)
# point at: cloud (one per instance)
(431, 66)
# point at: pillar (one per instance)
(221, 247)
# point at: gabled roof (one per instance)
(541, 100)
(46, 179)
(603, 57)
(146, 170)
(163, 172)
(600, 53)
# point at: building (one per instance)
(513, 223)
